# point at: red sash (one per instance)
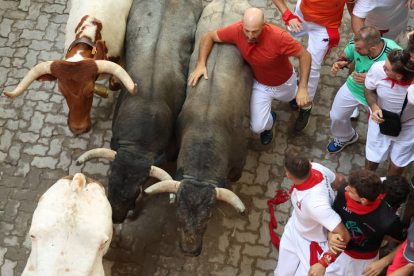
(361, 256)
(314, 179)
(334, 37)
(360, 209)
(280, 197)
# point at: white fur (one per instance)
(113, 16)
(71, 220)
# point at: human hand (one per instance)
(410, 4)
(296, 26)
(317, 270)
(374, 268)
(302, 97)
(196, 74)
(336, 243)
(338, 65)
(359, 78)
(377, 115)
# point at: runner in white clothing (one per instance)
(386, 89)
(390, 17)
(304, 239)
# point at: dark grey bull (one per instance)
(212, 130)
(159, 42)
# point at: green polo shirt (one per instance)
(364, 63)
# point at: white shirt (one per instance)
(382, 14)
(313, 213)
(391, 99)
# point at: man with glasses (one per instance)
(366, 48)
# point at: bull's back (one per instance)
(112, 14)
(216, 110)
(159, 41)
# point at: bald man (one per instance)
(267, 49)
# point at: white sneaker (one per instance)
(355, 113)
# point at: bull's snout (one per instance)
(190, 253)
(79, 127)
(190, 244)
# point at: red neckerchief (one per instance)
(360, 209)
(280, 197)
(402, 83)
(314, 179)
(257, 41)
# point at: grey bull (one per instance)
(159, 42)
(212, 130)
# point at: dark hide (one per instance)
(159, 42)
(212, 126)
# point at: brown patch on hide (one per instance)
(46, 77)
(86, 51)
(79, 29)
(67, 269)
(81, 23)
(61, 253)
(31, 268)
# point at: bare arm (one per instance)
(357, 23)
(339, 180)
(294, 24)
(339, 64)
(206, 44)
(376, 267)
(317, 269)
(403, 271)
(305, 58)
(371, 97)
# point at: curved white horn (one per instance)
(159, 173)
(231, 198)
(166, 186)
(37, 71)
(112, 68)
(96, 153)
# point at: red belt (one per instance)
(361, 256)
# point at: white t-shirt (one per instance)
(382, 14)
(391, 99)
(313, 213)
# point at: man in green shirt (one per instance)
(366, 48)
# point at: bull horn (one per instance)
(96, 153)
(112, 68)
(231, 198)
(37, 71)
(166, 186)
(159, 173)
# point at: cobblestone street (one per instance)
(37, 148)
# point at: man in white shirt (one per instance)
(304, 239)
(386, 87)
(390, 17)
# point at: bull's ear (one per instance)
(46, 77)
(100, 50)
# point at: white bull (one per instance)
(71, 229)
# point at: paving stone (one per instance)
(5, 27)
(21, 52)
(35, 150)
(27, 137)
(8, 268)
(243, 237)
(255, 250)
(59, 18)
(31, 59)
(14, 153)
(40, 45)
(47, 56)
(6, 52)
(36, 122)
(42, 22)
(2, 252)
(15, 15)
(51, 32)
(24, 5)
(54, 8)
(34, 11)
(246, 266)
(5, 140)
(44, 162)
(8, 5)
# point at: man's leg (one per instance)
(402, 152)
(341, 128)
(371, 166)
(261, 118)
(288, 261)
(394, 169)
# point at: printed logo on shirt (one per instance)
(346, 210)
(358, 59)
(369, 227)
(299, 204)
(357, 235)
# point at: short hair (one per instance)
(369, 35)
(297, 164)
(397, 189)
(401, 63)
(410, 43)
(366, 183)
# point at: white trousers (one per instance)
(347, 266)
(342, 108)
(380, 146)
(261, 102)
(294, 253)
(317, 47)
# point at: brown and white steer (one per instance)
(94, 44)
(71, 229)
